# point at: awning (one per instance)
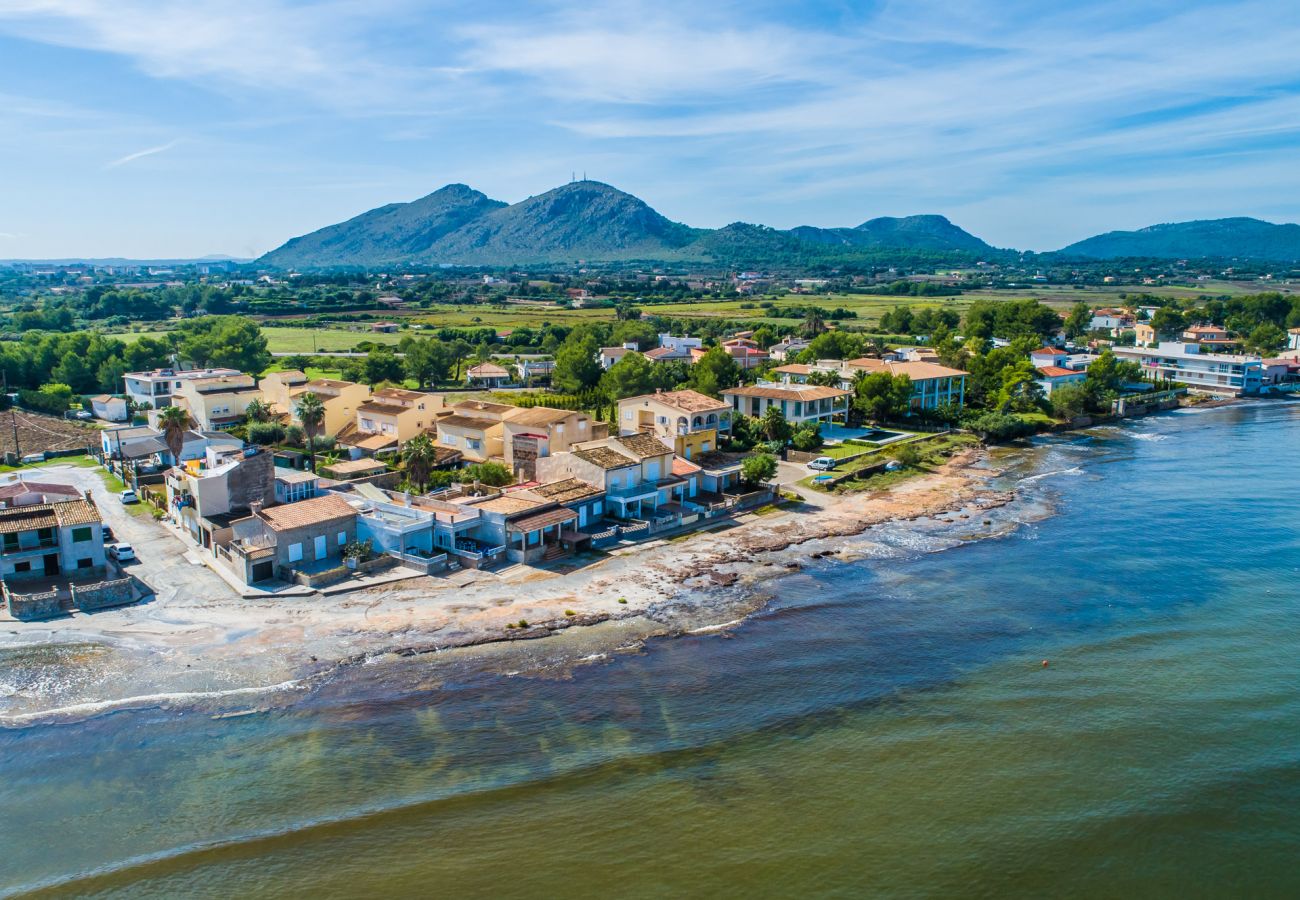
(541, 520)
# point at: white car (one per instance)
(129, 496)
(121, 552)
(822, 464)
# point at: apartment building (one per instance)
(154, 389)
(341, 400)
(215, 403)
(1224, 374)
(529, 434)
(798, 403)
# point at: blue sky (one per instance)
(159, 129)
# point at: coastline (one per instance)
(184, 649)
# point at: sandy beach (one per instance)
(195, 639)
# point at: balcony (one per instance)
(29, 547)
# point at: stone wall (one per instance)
(103, 594)
(26, 607)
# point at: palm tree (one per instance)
(257, 411)
(421, 456)
(813, 323)
(174, 422)
(311, 412)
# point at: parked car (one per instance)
(108, 534)
(129, 496)
(121, 552)
(822, 464)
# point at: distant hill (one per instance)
(591, 221)
(1238, 238)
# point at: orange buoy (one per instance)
(1044, 664)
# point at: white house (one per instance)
(1226, 374)
(109, 408)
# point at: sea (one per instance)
(1092, 692)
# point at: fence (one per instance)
(426, 564)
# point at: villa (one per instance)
(691, 421)
(798, 403)
(1224, 374)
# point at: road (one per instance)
(163, 562)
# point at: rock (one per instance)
(724, 578)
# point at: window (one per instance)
(343, 538)
(473, 444)
(629, 416)
(80, 535)
(22, 567)
(295, 552)
(449, 440)
(85, 563)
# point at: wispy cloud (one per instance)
(141, 154)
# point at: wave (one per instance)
(79, 711)
(721, 626)
(1073, 470)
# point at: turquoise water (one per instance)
(882, 727)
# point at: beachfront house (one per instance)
(205, 496)
(529, 434)
(1223, 374)
(797, 403)
(281, 542)
(49, 540)
(690, 421)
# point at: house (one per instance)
(587, 501)
(352, 469)
(154, 389)
(633, 470)
(277, 389)
(797, 403)
(48, 540)
(1211, 337)
(610, 355)
(743, 351)
(1110, 320)
(305, 537)
(205, 497)
(16, 489)
(528, 434)
(532, 369)
(391, 417)
(1052, 377)
(785, 350)
(113, 440)
(109, 408)
(215, 403)
(691, 421)
(341, 400)
(1048, 356)
(488, 375)
(293, 485)
(385, 327)
(474, 428)
(932, 384)
(681, 346)
(1211, 373)
(1293, 338)
(1144, 335)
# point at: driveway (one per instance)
(163, 562)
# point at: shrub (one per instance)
(265, 434)
(293, 436)
(996, 426)
(907, 454)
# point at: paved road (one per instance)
(163, 563)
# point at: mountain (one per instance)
(390, 234)
(1238, 238)
(590, 221)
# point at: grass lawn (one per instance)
(84, 462)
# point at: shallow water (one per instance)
(884, 725)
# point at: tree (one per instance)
(174, 422)
(631, 376)
(836, 345)
(311, 412)
(808, 437)
(420, 456)
(427, 361)
(383, 365)
(758, 468)
(233, 341)
(257, 411)
(813, 322)
(774, 425)
(1079, 321)
(265, 434)
(714, 372)
(879, 396)
(1069, 401)
(490, 473)
(1020, 391)
(1167, 320)
(1266, 339)
(576, 365)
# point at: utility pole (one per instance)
(13, 420)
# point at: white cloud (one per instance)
(140, 154)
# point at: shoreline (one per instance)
(188, 647)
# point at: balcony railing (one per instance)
(48, 544)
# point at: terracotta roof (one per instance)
(392, 393)
(103, 398)
(1048, 351)
(789, 392)
(315, 511)
(615, 352)
(53, 490)
(508, 506)
(642, 445)
(27, 518)
(917, 371)
(542, 520)
(664, 353)
(329, 383)
(382, 409)
(487, 370)
(484, 406)
(566, 491)
(355, 467)
(1057, 371)
(683, 467)
(538, 415)
(470, 422)
(604, 458)
(376, 442)
(795, 369)
(684, 400)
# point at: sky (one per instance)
(182, 129)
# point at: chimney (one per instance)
(255, 508)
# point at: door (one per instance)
(52, 564)
(262, 570)
(582, 517)
(322, 547)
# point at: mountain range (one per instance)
(594, 222)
